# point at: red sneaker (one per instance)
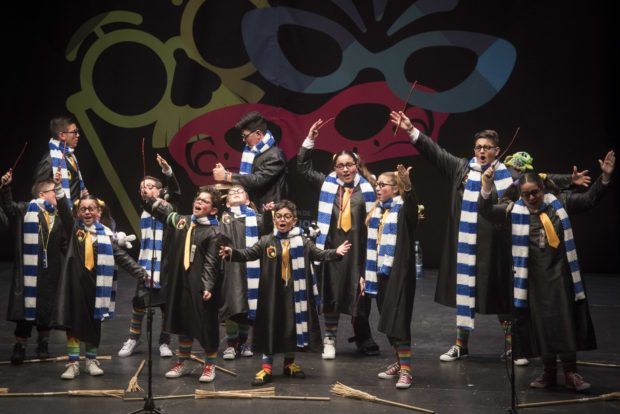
(546, 380)
(574, 381)
(208, 373)
(404, 380)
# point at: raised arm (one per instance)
(162, 211)
(10, 207)
(410, 201)
(496, 213)
(304, 157)
(171, 183)
(579, 202)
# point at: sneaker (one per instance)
(19, 353)
(574, 381)
(128, 347)
(165, 351)
(42, 350)
(262, 377)
(329, 348)
(390, 372)
(246, 350)
(293, 370)
(208, 373)
(178, 370)
(454, 353)
(229, 353)
(520, 362)
(92, 367)
(546, 380)
(72, 371)
(404, 380)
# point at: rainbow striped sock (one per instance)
(267, 363)
(210, 357)
(507, 326)
(90, 350)
(244, 331)
(331, 324)
(462, 337)
(232, 333)
(73, 348)
(135, 327)
(403, 349)
(185, 348)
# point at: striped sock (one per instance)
(135, 328)
(90, 350)
(267, 363)
(462, 337)
(403, 349)
(507, 326)
(185, 348)
(331, 324)
(73, 348)
(232, 333)
(210, 357)
(244, 331)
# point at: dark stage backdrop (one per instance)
(180, 73)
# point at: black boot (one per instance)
(19, 353)
(42, 352)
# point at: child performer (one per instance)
(553, 318)
(346, 198)
(153, 258)
(87, 287)
(390, 266)
(286, 317)
(39, 250)
(194, 272)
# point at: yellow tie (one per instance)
(552, 237)
(71, 160)
(89, 256)
(285, 260)
(345, 210)
(380, 229)
(47, 220)
(188, 243)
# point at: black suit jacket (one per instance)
(267, 182)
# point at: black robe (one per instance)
(47, 278)
(553, 323)
(75, 303)
(44, 171)
(396, 293)
(339, 281)
(274, 327)
(186, 312)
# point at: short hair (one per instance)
(60, 124)
(216, 195)
(252, 121)
(38, 186)
(158, 182)
(288, 205)
(487, 134)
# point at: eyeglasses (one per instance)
(532, 193)
(484, 147)
(89, 209)
(245, 136)
(75, 131)
(238, 191)
(286, 217)
(46, 191)
(148, 186)
(349, 165)
(203, 201)
(381, 184)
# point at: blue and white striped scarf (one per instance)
(253, 267)
(58, 153)
(210, 220)
(247, 158)
(382, 262)
(521, 242)
(326, 202)
(105, 291)
(296, 251)
(467, 239)
(152, 233)
(31, 254)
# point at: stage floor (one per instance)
(475, 385)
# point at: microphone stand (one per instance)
(149, 401)
(513, 320)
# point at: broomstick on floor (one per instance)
(224, 370)
(64, 358)
(603, 397)
(348, 392)
(260, 393)
(72, 393)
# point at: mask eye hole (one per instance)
(322, 55)
(375, 117)
(457, 64)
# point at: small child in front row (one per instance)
(286, 316)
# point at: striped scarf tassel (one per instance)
(152, 232)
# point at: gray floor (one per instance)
(475, 385)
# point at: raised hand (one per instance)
(343, 248)
(58, 176)
(219, 172)
(165, 167)
(580, 177)
(269, 206)
(487, 179)
(401, 120)
(403, 175)
(313, 132)
(362, 286)
(7, 178)
(608, 165)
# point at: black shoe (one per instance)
(19, 353)
(42, 352)
(366, 346)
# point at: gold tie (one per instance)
(188, 243)
(380, 229)
(47, 220)
(345, 210)
(89, 256)
(71, 160)
(285, 259)
(552, 237)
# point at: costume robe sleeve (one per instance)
(447, 164)
(161, 210)
(173, 189)
(305, 169)
(211, 264)
(124, 260)
(496, 213)
(580, 202)
(66, 216)
(248, 254)
(11, 208)
(563, 181)
(318, 255)
(43, 171)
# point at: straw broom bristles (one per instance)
(55, 359)
(603, 397)
(4, 390)
(348, 392)
(202, 361)
(133, 385)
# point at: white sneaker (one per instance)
(128, 347)
(246, 350)
(92, 367)
(229, 353)
(329, 348)
(72, 371)
(165, 351)
(521, 362)
(178, 370)
(208, 373)
(455, 352)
